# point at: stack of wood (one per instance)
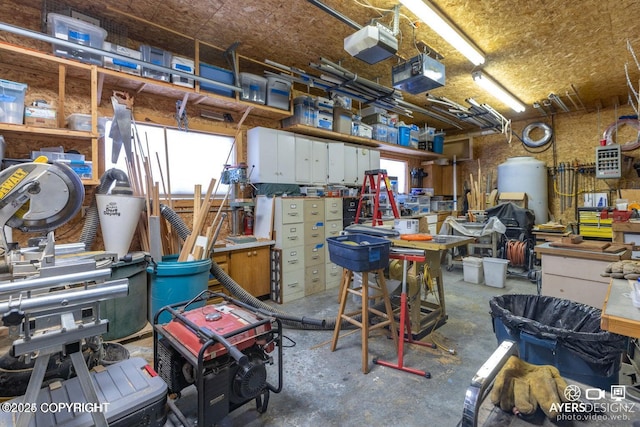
(476, 198)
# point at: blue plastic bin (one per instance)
(359, 252)
(562, 333)
(174, 282)
(219, 75)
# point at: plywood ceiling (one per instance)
(533, 47)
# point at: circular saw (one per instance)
(39, 197)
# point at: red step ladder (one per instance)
(374, 179)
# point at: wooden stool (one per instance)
(363, 292)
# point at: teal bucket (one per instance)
(127, 315)
(173, 282)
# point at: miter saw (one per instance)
(36, 197)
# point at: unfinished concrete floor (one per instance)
(324, 388)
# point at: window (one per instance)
(397, 169)
(194, 157)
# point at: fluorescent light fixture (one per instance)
(498, 91)
(441, 25)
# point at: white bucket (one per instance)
(406, 226)
(495, 271)
(472, 270)
(119, 217)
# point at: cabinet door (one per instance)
(319, 165)
(363, 163)
(286, 157)
(374, 159)
(262, 154)
(303, 160)
(447, 180)
(251, 269)
(335, 163)
(350, 165)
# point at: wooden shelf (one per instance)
(382, 146)
(140, 84)
(26, 131)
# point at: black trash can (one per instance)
(562, 333)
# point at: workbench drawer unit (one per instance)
(333, 226)
(591, 223)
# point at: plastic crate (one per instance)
(12, 101)
(562, 333)
(359, 252)
(219, 75)
(79, 32)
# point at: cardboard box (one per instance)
(40, 117)
(519, 199)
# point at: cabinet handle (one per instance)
(316, 256)
(293, 285)
(292, 237)
(314, 213)
(249, 253)
(315, 235)
(334, 211)
(293, 261)
(293, 214)
(315, 280)
(255, 253)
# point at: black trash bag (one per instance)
(573, 325)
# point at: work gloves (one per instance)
(521, 388)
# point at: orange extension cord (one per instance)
(516, 252)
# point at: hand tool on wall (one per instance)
(120, 132)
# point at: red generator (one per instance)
(223, 349)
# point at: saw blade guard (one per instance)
(39, 197)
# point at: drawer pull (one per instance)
(293, 285)
(292, 237)
(292, 213)
(293, 261)
(315, 280)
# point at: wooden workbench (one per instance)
(428, 315)
(618, 313)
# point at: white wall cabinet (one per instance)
(271, 153)
(311, 161)
(287, 158)
(335, 163)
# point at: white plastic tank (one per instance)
(529, 175)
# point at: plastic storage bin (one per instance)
(392, 135)
(472, 270)
(119, 64)
(254, 88)
(185, 65)
(219, 75)
(278, 93)
(359, 252)
(495, 271)
(155, 56)
(80, 122)
(562, 333)
(12, 101)
(79, 32)
(380, 132)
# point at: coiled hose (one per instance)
(241, 294)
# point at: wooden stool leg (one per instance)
(389, 309)
(344, 286)
(365, 322)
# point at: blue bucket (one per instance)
(438, 144)
(173, 282)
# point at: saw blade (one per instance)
(55, 193)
